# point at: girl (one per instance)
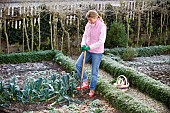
(93, 43)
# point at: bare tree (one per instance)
(25, 31)
(32, 34)
(149, 27)
(39, 29)
(6, 35)
(55, 21)
(62, 38)
(64, 32)
(78, 27)
(139, 22)
(166, 36)
(163, 11)
(166, 14)
(23, 39)
(128, 26)
(0, 35)
(78, 17)
(51, 29)
(5, 29)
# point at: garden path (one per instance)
(135, 93)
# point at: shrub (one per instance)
(129, 54)
(153, 50)
(116, 35)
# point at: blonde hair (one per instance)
(93, 14)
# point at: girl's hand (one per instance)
(83, 48)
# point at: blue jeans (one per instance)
(96, 59)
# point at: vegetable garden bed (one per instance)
(32, 86)
(118, 99)
(29, 86)
(157, 67)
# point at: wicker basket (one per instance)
(122, 83)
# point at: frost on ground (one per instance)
(95, 106)
(157, 67)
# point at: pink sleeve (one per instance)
(83, 42)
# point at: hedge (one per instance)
(34, 56)
(121, 100)
(65, 61)
(144, 51)
(117, 98)
(144, 83)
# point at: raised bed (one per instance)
(37, 86)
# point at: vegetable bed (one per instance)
(157, 67)
(114, 96)
(36, 85)
(43, 87)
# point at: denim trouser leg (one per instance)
(79, 64)
(96, 59)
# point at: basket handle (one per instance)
(122, 77)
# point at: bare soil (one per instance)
(157, 67)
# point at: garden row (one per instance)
(117, 98)
(57, 87)
(139, 52)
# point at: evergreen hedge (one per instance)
(34, 56)
(65, 61)
(121, 100)
(144, 83)
(143, 51)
